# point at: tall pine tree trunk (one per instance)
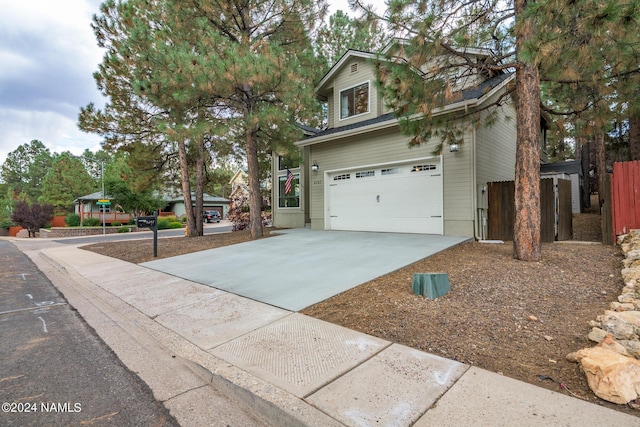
(186, 187)
(601, 167)
(199, 188)
(526, 236)
(634, 137)
(253, 172)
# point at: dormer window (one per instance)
(354, 101)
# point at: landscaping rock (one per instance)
(610, 375)
(618, 327)
(612, 367)
(596, 334)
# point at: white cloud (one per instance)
(48, 54)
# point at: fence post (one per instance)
(606, 213)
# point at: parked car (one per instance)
(211, 216)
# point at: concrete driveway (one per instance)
(301, 267)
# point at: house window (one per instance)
(292, 198)
(288, 162)
(354, 101)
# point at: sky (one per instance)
(48, 54)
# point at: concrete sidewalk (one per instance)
(284, 367)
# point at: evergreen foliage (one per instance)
(66, 180)
(25, 168)
(205, 75)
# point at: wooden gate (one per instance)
(565, 212)
(555, 210)
(625, 197)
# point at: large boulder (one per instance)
(611, 376)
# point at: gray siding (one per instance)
(496, 148)
(345, 79)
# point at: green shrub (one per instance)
(124, 230)
(91, 222)
(164, 222)
(176, 224)
(72, 220)
(6, 223)
(132, 221)
(116, 224)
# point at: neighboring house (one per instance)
(88, 207)
(239, 187)
(571, 170)
(360, 174)
(175, 204)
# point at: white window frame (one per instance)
(368, 83)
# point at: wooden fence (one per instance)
(555, 210)
(625, 197)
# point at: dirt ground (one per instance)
(511, 317)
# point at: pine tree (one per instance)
(342, 33)
(25, 168)
(236, 70)
(584, 51)
(66, 180)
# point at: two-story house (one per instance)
(360, 174)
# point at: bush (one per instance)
(132, 221)
(165, 221)
(6, 223)
(175, 224)
(124, 230)
(116, 224)
(72, 220)
(91, 222)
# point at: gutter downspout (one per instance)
(474, 189)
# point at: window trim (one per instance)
(281, 178)
(368, 83)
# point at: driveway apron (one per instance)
(299, 267)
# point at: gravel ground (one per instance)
(507, 316)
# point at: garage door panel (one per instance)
(398, 201)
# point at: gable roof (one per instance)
(338, 65)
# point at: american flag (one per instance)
(288, 182)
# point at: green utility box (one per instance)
(430, 285)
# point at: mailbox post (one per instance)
(152, 223)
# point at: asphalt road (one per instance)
(54, 370)
(222, 227)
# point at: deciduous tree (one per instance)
(32, 217)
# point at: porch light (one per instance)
(454, 148)
(314, 166)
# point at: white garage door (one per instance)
(404, 198)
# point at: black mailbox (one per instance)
(146, 221)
